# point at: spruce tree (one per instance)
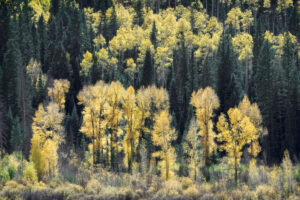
(228, 74)
(288, 63)
(148, 70)
(153, 35)
(16, 133)
(12, 61)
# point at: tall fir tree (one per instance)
(291, 74)
(148, 71)
(12, 61)
(263, 81)
(228, 78)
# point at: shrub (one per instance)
(108, 192)
(38, 192)
(30, 174)
(12, 190)
(289, 183)
(186, 182)
(68, 189)
(93, 187)
(223, 195)
(171, 189)
(236, 195)
(11, 172)
(209, 196)
(192, 192)
(266, 192)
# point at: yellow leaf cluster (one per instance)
(58, 93)
(162, 135)
(243, 45)
(205, 102)
(86, 64)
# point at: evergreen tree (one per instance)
(72, 129)
(112, 25)
(291, 74)
(12, 61)
(207, 76)
(42, 33)
(25, 39)
(153, 35)
(16, 133)
(148, 70)
(228, 78)
(263, 80)
(3, 120)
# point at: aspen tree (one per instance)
(132, 116)
(115, 97)
(234, 133)
(252, 111)
(58, 92)
(205, 102)
(94, 99)
(162, 136)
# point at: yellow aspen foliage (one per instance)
(99, 42)
(163, 62)
(47, 123)
(131, 69)
(205, 102)
(106, 62)
(243, 45)
(59, 91)
(115, 115)
(86, 64)
(40, 7)
(283, 5)
(30, 174)
(159, 99)
(252, 111)
(94, 122)
(239, 20)
(143, 101)
(49, 152)
(288, 178)
(132, 116)
(192, 148)
(162, 135)
(47, 133)
(267, 3)
(93, 18)
(234, 133)
(35, 73)
(277, 42)
(36, 154)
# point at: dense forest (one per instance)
(149, 99)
